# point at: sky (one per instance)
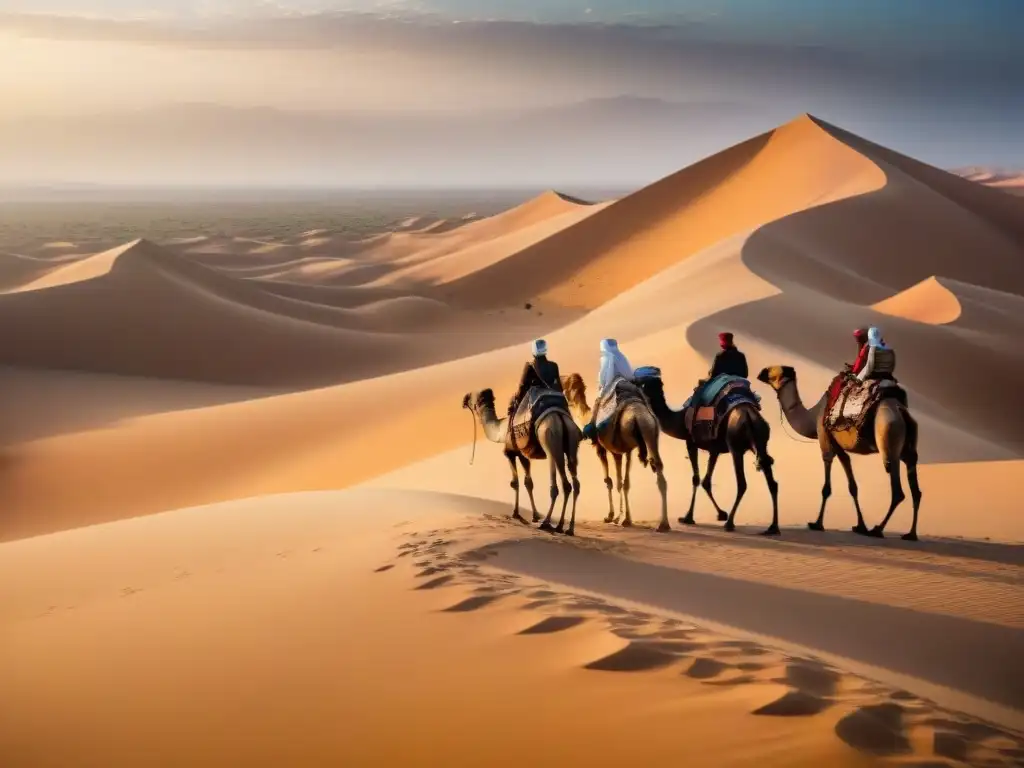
(942, 80)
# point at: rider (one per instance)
(539, 372)
(730, 361)
(880, 361)
(861, 337)
(614, 366)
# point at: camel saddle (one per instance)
(704, 419)
(854, 407)
(538, 402)
(609, 405)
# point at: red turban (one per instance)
(725, 339)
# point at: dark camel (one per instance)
(559, 438)
(744, 430)
(894, 437)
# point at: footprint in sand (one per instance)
(635, 657)
(553, 624)
(811, 677)
(705, 669)
(473, 603)
(440, 581)
(383, 568)
(794, 704)
(875, 730)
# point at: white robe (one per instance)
(614, 366)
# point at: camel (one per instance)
(894, 437)
(636, 429)
(559, 438)
(744, 430)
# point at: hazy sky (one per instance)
(943, 75)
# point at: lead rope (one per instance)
(473, 454)
(785, 431)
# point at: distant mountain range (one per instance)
(624, 140)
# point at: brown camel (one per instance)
(636, 429)
(744, 430)
(894, 437)
(559, 438)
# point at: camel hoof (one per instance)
(729, 526)
(876, 533)
(909, 536)
(517, 516)
(816, 526)
(610, 519)
(861, 530)
(688, 520)
(664, 528)
(537, 518)
(560, 529)
(570, 532)
(627, 523)
(546, 526)
(722, 516)
(773, 530)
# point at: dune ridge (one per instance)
(286, 476)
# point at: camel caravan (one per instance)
(864, 411)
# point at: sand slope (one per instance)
(370, 626)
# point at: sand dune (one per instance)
(1004, 180)
(139, 310)
(289, 617)
(927, 302)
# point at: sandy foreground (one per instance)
(240, 527)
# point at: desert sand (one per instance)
(240, 525)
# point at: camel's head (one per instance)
(474, 401)
(777, 376)
(575, 391)
(651, 386)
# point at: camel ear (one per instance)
(788, 372)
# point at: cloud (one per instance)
(666, 52)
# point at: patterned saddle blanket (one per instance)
(608, 406)
(522, 434)
(855, 402)
(704, 420)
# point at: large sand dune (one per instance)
(157, 399)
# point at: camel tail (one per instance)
(641, 443)
(760, 433)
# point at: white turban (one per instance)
(540, 348)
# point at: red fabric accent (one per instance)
(862, 359)
(834, 390)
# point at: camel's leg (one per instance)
(844, 459)
(628, 522)
(826, 490)
(602, 454)
(706, 485)
(663, 526)
(515, 486)
(766, 462)
(558, 462)
(617, 458)
(573, 469)
(553, 460)
(741, 485)
(910, 459)
(691, 451)
(890, 437)
(892, 468)
(528, 484)
(915, 496)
